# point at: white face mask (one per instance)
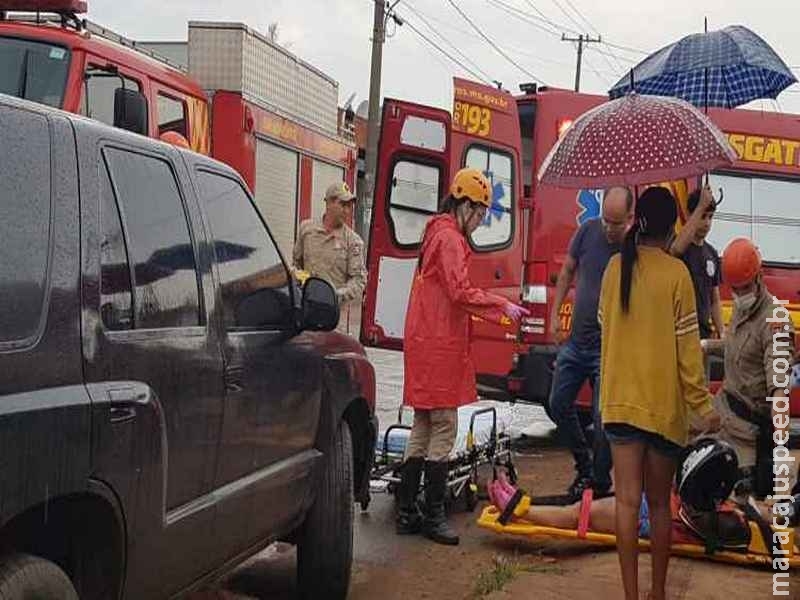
(745, 301)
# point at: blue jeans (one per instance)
(574, 366)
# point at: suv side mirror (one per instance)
(320, 307)
(130, 110)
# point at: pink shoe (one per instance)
(510, 500)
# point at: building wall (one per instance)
(233, 57)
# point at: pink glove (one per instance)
(515, 312)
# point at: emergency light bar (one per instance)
(74, 7)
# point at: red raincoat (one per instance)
(438, 369)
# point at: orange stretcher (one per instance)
(757, 553)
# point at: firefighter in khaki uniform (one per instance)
(755, 346)
(331, 250)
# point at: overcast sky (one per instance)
(334, 35)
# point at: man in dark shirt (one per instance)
(702, 260)
(578, 360)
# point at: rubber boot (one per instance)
(409, 518)
(435, 526)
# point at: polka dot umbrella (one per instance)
(636, 140)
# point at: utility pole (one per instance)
(581, 39)
(383, 12)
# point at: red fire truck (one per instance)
(520, 248)
(231, 93)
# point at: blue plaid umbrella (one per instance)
(725, 68)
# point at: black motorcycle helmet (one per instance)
(706, 473)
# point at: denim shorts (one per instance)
(622, 433)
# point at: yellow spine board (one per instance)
(756, 555)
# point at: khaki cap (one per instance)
(339, 191)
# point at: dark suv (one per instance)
(170, 400)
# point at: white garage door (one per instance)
(276, 192)
(323, 175)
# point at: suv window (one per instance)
(158, 240)
(253, 278)
(24, 222)
(98, 94)
(116, 299)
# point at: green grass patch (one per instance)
(494, 580)
(504, 571)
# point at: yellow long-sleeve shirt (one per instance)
(651, 363)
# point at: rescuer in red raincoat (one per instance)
(439, 374)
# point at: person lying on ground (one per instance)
(688, 526)
(701, 506)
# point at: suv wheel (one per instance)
(325, 545)
(23, 576)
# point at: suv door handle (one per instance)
(122, 414)
(123, 403)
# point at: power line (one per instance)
(582, 17)
(536, 57)
(627, 48)
(545, 18)
(435, 56)
(440, 21)
(534, 20)
(592, 27)
(439, 48)
(486, 76)
(606, 53)
(522, 16)
(598, 73)
(569, 16)
(492, 44)
(446, 53)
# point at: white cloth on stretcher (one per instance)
(398, 438)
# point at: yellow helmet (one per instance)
(473, 185)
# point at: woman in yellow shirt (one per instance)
(651, 374)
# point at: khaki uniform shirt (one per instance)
(752, 347)
(336, 256)
(751, 352)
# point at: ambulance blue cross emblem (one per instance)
(496, 210)
(589, 204)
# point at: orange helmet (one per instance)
(473, 185)
(741, 262)
(175, 138)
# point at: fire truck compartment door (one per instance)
(276, 192)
